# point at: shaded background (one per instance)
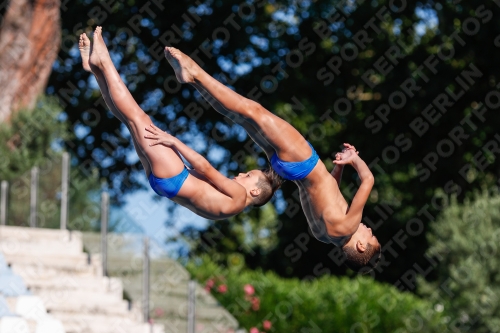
(413, 85)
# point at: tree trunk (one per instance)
(29, 42)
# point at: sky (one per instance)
(145, 209)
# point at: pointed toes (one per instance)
(171, 50)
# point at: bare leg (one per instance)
(288, 143)
(254, 134)
(85, 47)
(164, 161)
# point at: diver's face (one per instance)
(249, 179)
(365, 235)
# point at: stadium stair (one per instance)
(49, 285)
(21, 312)
(168, 284)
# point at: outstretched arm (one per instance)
(354, 215)
(230, 188)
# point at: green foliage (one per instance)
(34, 138)
(27, 140)
(466, 240)
(328, 304)
(365, 101)
(256, 231)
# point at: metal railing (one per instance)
(3, 202)
(104, 238)
(64, 191)
(104, 231)
(34, 196)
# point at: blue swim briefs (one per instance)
(295, 170)
(168, 187)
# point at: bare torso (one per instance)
(201, 197)
(322, 202)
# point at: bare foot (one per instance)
(84, 46)
(100, 54)
(185, 68)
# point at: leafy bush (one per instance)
(466, 240)
(266, 302)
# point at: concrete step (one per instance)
(169, 289)
(160, 284)
(32, 265)
(98, 323)
(88, 305)
(216, 319)
(21, 325)
(41, 248)
(179, 310)
(181, 292)
(173, 299)
(33, 234)
(74, 291)
(55, 260)
(202, 303)
(66, 282)
(49, 325)
(13, 324)
(27, 271)
(170, 271)
(159, 294)
(27, 306)
(82, 299)
(178, 325)
(32, 309)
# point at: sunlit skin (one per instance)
(363, 235)
(201, 193)
(248, 179)
(321, 199)
(206, 191)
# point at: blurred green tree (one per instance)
(406, 83)
(466, 239)
(34, 138)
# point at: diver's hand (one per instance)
(349, 147)
(347, 156)
(160, 137)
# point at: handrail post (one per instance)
(64, 191)
(145, 281)
(3, 204)
(191, 306)
(33, 197)
(104, 231)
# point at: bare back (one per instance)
(322, 202)
(202, 198)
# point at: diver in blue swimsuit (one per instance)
(203, 189)
(330, 217)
